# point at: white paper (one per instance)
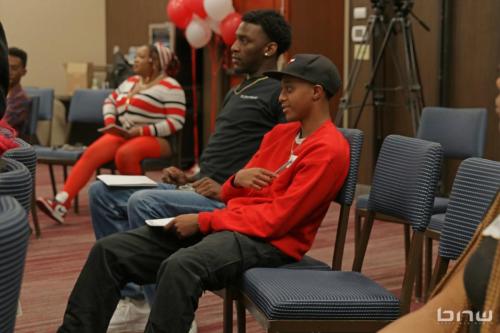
(493, 230)
(127, 181)
(159, 222)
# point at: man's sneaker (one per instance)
(54, 209)
(130, 316)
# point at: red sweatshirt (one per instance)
(289, 211)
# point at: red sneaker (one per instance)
(52, 208)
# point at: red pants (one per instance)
(127, 155)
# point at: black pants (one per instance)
(182, 269)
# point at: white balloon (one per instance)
(198, 33)
(214, 25)
(218, 9)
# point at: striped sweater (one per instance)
(159, 109)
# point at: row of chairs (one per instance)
(15, 201)
(288, 299)
(462, 134)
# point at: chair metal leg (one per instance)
(407, 233)
(419, 275)
(439, 271)
(357, 228)
(411, 269)
(52, 179)
(65, 172)
(34, 215)
(227, 314)
(363, 243)
(76, 205)
(241, 316)
(338, 251)
(427, 266)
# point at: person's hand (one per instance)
(135, 131)
(255, 178)
(184, 225)
(208, 188)
(173, 175)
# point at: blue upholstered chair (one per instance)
(475, 186)
(14, 235)
(16, 181)
(25, 153)
(461, 133)
(28, 132)
(46, 98)
(344, 199)
(285, 300)
(85, 116)
(41, 109)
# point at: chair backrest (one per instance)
(16, 181)
(25, 154)
(461, 132)
(404, 180)
(86, 106)
(46, 96)
(29, 129)
(14, 236)
(355, 138)
(475, 186)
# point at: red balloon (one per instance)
(228, 27)
(179, 13)
(196, 6)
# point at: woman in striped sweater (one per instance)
(149, 105)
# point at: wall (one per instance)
(122, 30)
(474, 54)
(54, 32)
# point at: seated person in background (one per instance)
(16, 113)
(150, 106)
(249, 111)
(275, 205)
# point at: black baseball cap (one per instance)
(313, 68)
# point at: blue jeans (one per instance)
(120, 209)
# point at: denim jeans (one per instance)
(115, 209)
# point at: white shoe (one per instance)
(130, 316)
(194, 327)
(54, 209)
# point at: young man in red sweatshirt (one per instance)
(274, 207)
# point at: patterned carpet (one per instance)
(55, 259)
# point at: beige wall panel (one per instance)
(54, 32)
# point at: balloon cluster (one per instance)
(200, 17)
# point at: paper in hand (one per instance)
(115, 130)
(159, 222)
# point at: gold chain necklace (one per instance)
(237, 92)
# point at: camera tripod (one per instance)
(408, 75)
